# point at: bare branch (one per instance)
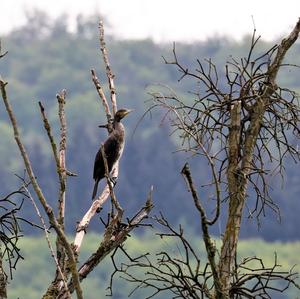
(62, 276)
(2, 55)
(115, 234)
(109, 183)
(62, 156)
(108, 190)
(109, 74)
(210, 247)
(103, 99)
(39, 193)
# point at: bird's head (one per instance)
(121, 113)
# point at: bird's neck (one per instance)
(118, 128)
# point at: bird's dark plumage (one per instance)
(113, 148)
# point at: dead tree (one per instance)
(10, 230)
(69, 275)
(241, 130)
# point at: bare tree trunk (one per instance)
(237, 187)
(240, 160)
(3, 280)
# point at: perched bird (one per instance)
(113, 149)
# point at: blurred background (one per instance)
(53, 45)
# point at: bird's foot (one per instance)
(113, 180)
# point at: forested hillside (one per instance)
(44, 58)
(38, 260)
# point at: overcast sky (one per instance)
(169, 20)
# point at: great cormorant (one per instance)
(113, 148)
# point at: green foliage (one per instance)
(44, 58)
(37, 269)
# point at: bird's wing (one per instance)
(112, 150)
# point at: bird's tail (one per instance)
(95, 189)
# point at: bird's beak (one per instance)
(127, 111)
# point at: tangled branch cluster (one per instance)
(181, 274)
(243, 125)
(10, 230)
(256, 280)
(203, 123)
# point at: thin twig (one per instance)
(63, 278)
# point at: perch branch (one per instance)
(98, 203)
(109, 183)
(115, 234)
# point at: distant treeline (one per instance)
(44, 58)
